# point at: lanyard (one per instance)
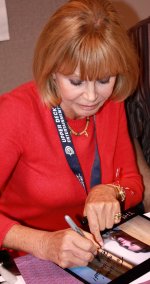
(69, 150)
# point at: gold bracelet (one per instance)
(120, 191)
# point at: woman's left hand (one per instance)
(101, 206)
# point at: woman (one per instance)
(128, 242)
(65, 147)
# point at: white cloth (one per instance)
(4, 31)
(147, 214)
(143, 279)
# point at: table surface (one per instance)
(39, 271)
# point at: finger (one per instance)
(79, 247)
(117, 213)
(82, 255)
(112, 214)
(94, 226)
(103, 215)
(86, 244)
(107, 217)
(70, 259)
(85, 256)
(117, 217)
(90, 237)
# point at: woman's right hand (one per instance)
(67, 248)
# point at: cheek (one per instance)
(110, 90)
(68, 92)
(63, 91)
(110, 87)
(135, 247)
(106, 91)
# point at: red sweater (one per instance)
(37, 186)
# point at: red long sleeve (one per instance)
(36, 184)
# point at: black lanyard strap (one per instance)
(69, 150)
(66, 141)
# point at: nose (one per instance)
(90, 91)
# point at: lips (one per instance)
(89, 107)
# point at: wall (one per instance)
(26, 19)
(132, 11)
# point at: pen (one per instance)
(72, 225)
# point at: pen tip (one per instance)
(66, 217)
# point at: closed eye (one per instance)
(104, 80)
(75, 82)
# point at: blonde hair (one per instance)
(90, 34)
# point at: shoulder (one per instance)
(19, 108)
(20, 113)
(23, 93)
(21, 99)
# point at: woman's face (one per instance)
(82, 98)
(129, 244)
